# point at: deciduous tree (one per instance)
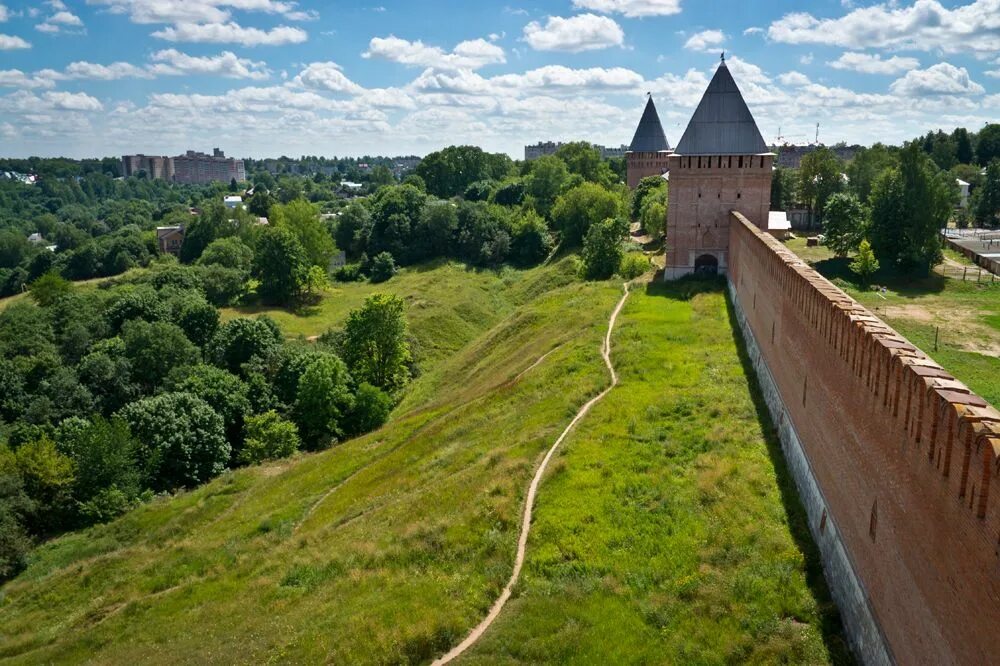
(183, 439)
(583, 206)
(280, 263)
(268, 437)
(322, 400)
(374, 342)
(602, 248)
(845, 223)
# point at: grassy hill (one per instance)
(665, 531)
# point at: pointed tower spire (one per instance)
(649, 136)
(722, 124)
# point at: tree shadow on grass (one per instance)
(906, 285)
(685, 288)
(831, 625)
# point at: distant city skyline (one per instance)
(272, 77)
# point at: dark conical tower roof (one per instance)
(649, 137)
(722, 124)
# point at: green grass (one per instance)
(447, 304)
(665, 532)
(668, 530)
(406, 553)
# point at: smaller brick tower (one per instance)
(721, 164)
(648, 152)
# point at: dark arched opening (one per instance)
(706, 264)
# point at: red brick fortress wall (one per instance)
(640, 165)
(906, 457)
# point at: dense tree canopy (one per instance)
(583, 206)
(448, 172)
(910, 204)
(182, 438)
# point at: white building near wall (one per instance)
(963, 201)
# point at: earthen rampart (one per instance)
(906, 458)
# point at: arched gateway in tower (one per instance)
(721, 164)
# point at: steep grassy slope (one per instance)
(663, 533)
(669, 531)
(447, 303)
(382, 549)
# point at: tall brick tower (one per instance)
(721, 164)
(648, 152)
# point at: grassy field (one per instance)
(963, 315)
(667, 531)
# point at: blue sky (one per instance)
(269, 77)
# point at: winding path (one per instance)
(522, 541)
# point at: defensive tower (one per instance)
(647, 154)
(721, 165)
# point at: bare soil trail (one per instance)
(522, 542)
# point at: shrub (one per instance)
(602, 249)
(224, 392)
(531, 241)
(15, 506)
(154, 349)
(372, 407)
(228, 252)
(349, 273)
(382, 267)
(479, 190)
(633, 265)
(142, 302)
(510, 194)
(109, 503)
(223, 286)
(268, 437)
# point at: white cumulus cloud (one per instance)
(583, 32)
(171, 62)
(940, 79)
(925, 25)
(15, 78)
(60, 21)
(631, 8)
(471, 54)
(116, 70)
(706, 40)
(327, 76)
(67, 101)
(11, 42)
(231, 33)
(873, 64)
(557, 77)
(200, 11)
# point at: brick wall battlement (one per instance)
(906, 456)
